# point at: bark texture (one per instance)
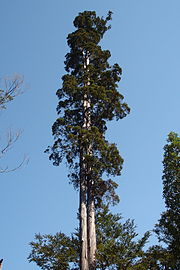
(83, 227)
(91, 228)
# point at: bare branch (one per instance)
(12, 88)
(11, 140)
(23, 162)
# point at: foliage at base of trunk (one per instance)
(117, 246)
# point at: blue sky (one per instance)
(144, 41)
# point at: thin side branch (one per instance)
(12, 88)
(23, 162)
(11, 140)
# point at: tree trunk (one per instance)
(91, 227)
(87, 209)
(84, 263)
(83, 224)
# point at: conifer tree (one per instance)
(168, 228)
(87, 100)
(167, 256)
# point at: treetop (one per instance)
(89, 21)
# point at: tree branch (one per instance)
(11, 140)
(12, 88)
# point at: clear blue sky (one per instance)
(145, 41)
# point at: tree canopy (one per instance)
(98, 85)
(168, 228)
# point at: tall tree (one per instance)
(168, 228)
(87, 100)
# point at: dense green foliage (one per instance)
(116, 244)
(167, 257)
(168, 228)
(96, 84)
(54, 251)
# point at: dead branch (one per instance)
(12, 88)
(11, 140)
(23, 162)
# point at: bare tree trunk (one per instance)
(84, 263)
(87, 209)
(91, 227)
(83, 223)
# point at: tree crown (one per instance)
(89, 79)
